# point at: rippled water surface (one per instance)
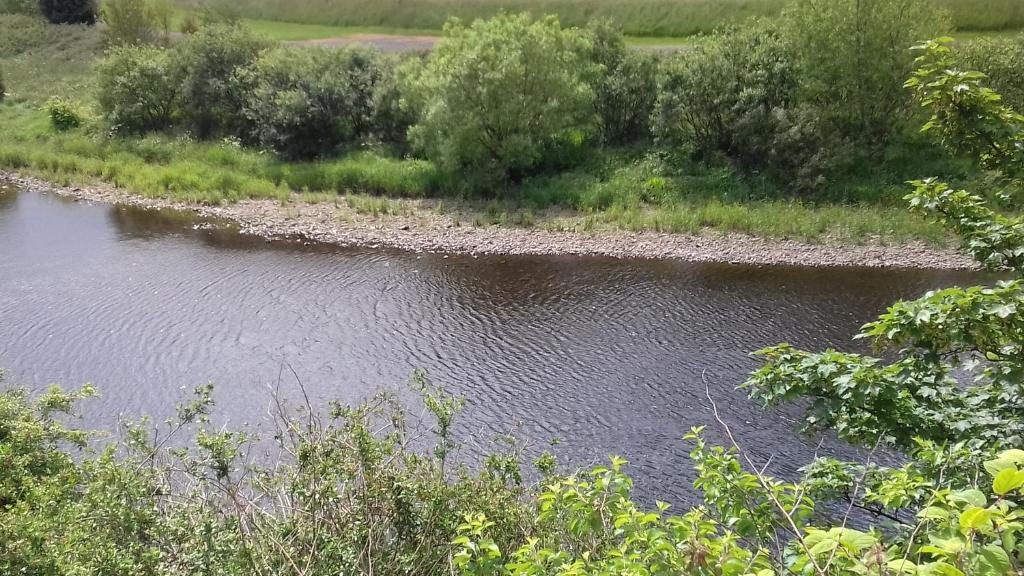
(605, 355)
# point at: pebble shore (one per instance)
(424, 230)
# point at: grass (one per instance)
(615, 190)
(640, 18)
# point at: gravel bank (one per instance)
(425, 230)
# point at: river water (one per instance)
(605, 356)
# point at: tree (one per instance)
(494, 96)
(853, 56)
(138, 88)
(69, 11)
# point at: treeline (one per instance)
(804, 101)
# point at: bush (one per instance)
(732, 95)
(69, 11)
(853, 56)
(64, 114)
(3, 92)
(129, 21)
(307, 103)
(626, 88)
(1002, 60)
(212, 98)
(138, 88)
(494, 95)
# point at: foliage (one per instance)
(131, 21)
(626, 87)
(64, 114)
(852, 58)
(735, 95)
(212, 97)
(69, 11)
(307, 103)
(3, 92)
(1001, 60)
(138, 88)
(495, 95)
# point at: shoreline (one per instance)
(423, 230)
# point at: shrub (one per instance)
(1002, 60)
(734, 95)
(626, 88)
(138, 88)
(853, 56)
(493, 95)
(69, 11)
(3, 92)
(129, 21)
(212, 99)
(64, 114)
(307, 103)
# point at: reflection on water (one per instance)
(605, 355)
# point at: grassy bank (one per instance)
(667, 18)
(615, 189)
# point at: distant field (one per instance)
(666, 18)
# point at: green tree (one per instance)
(626, 86)
(212, 98)
(494, 96)
(308, 103)
(853, 56)
(138, 88)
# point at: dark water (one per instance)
(605, 355)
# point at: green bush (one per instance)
(69, 11)
(138, 88)
(494, 95)
(307, 103)
(1002, 60)
(211, 96)
(64, 114)
(129, 21)
(625, 89)
(734, 95)
(853, 56)
(3, 92)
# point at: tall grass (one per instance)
(638, 17)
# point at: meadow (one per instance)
(659, 18)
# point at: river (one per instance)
(605, 356)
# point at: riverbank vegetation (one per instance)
(371, 490)
(752, 129)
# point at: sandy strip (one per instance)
(426, 230)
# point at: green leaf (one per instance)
(996, 559)
(974, 518)
(973, 497)
(1007, 481)
(994, 467)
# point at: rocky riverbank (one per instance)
(420, 227)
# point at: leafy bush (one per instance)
(494, 95)
(212, 98)
(735, 95)
(625, 89)
(307, 103)
(138, 88)
(64, 114)
(69, 11)
(129, 21)
(853, 56)
(1001, 59)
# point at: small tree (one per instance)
(69, 11)
(495, 95)
(212, 99)
(853, 56)
(626, 86)
(138, 88)
(129, 21)
(307, 103)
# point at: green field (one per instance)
(664, 18)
